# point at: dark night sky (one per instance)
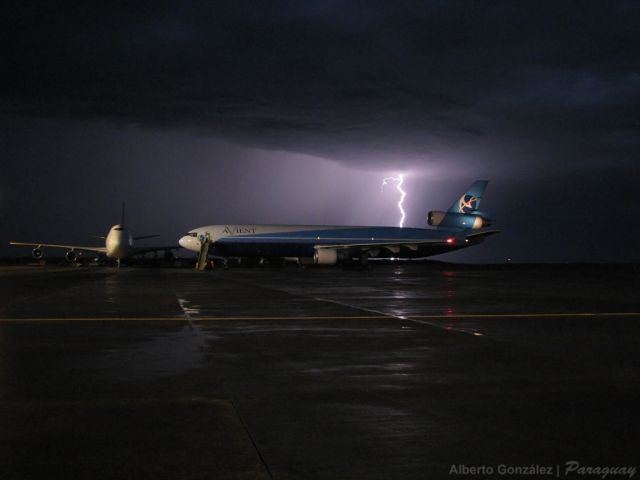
(293, 112)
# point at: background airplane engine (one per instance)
(457, 220)
(325, 256)
(37, 253)
(71, 256)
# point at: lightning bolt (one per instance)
(399, 179)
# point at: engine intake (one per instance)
(457, 220)
(71, 256)
(37, 253)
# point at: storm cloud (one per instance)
(291, 111)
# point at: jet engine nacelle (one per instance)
(457, 220)
(71, 256)
(325, 256)
(37, 253)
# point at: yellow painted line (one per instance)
(181, 318)
(526, 315)
(325, 317)
(91, 319)
(321, 317)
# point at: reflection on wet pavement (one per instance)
(394, 372)
(158, 356)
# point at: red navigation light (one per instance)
(450, 240)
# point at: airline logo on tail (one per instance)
(468, 204)
(463, 214)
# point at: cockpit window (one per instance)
(118, 229)
(191, 234)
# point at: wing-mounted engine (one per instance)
(37, 253)
(325, 256)
(463, 221)
(71, 256)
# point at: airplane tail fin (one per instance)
(464, 213)
(469, 202)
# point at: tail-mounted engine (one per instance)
(466, 221)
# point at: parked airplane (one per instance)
(459, 227)
(118, 246)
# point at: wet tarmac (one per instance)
(319, 373)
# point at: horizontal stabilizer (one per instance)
(486, 233)
(56, 245)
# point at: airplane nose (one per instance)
(190, 243)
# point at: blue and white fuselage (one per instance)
(307, 240)
(330, 244)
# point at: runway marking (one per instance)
(181, 318)
(195, 319)
(517, 315)
(188, 312)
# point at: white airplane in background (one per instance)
(118, 245)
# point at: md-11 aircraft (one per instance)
(463, 225)
(118, 246)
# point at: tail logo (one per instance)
(468, 203)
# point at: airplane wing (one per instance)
(143, 250)
(66, 247)
(144, 237)
(410, 244)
